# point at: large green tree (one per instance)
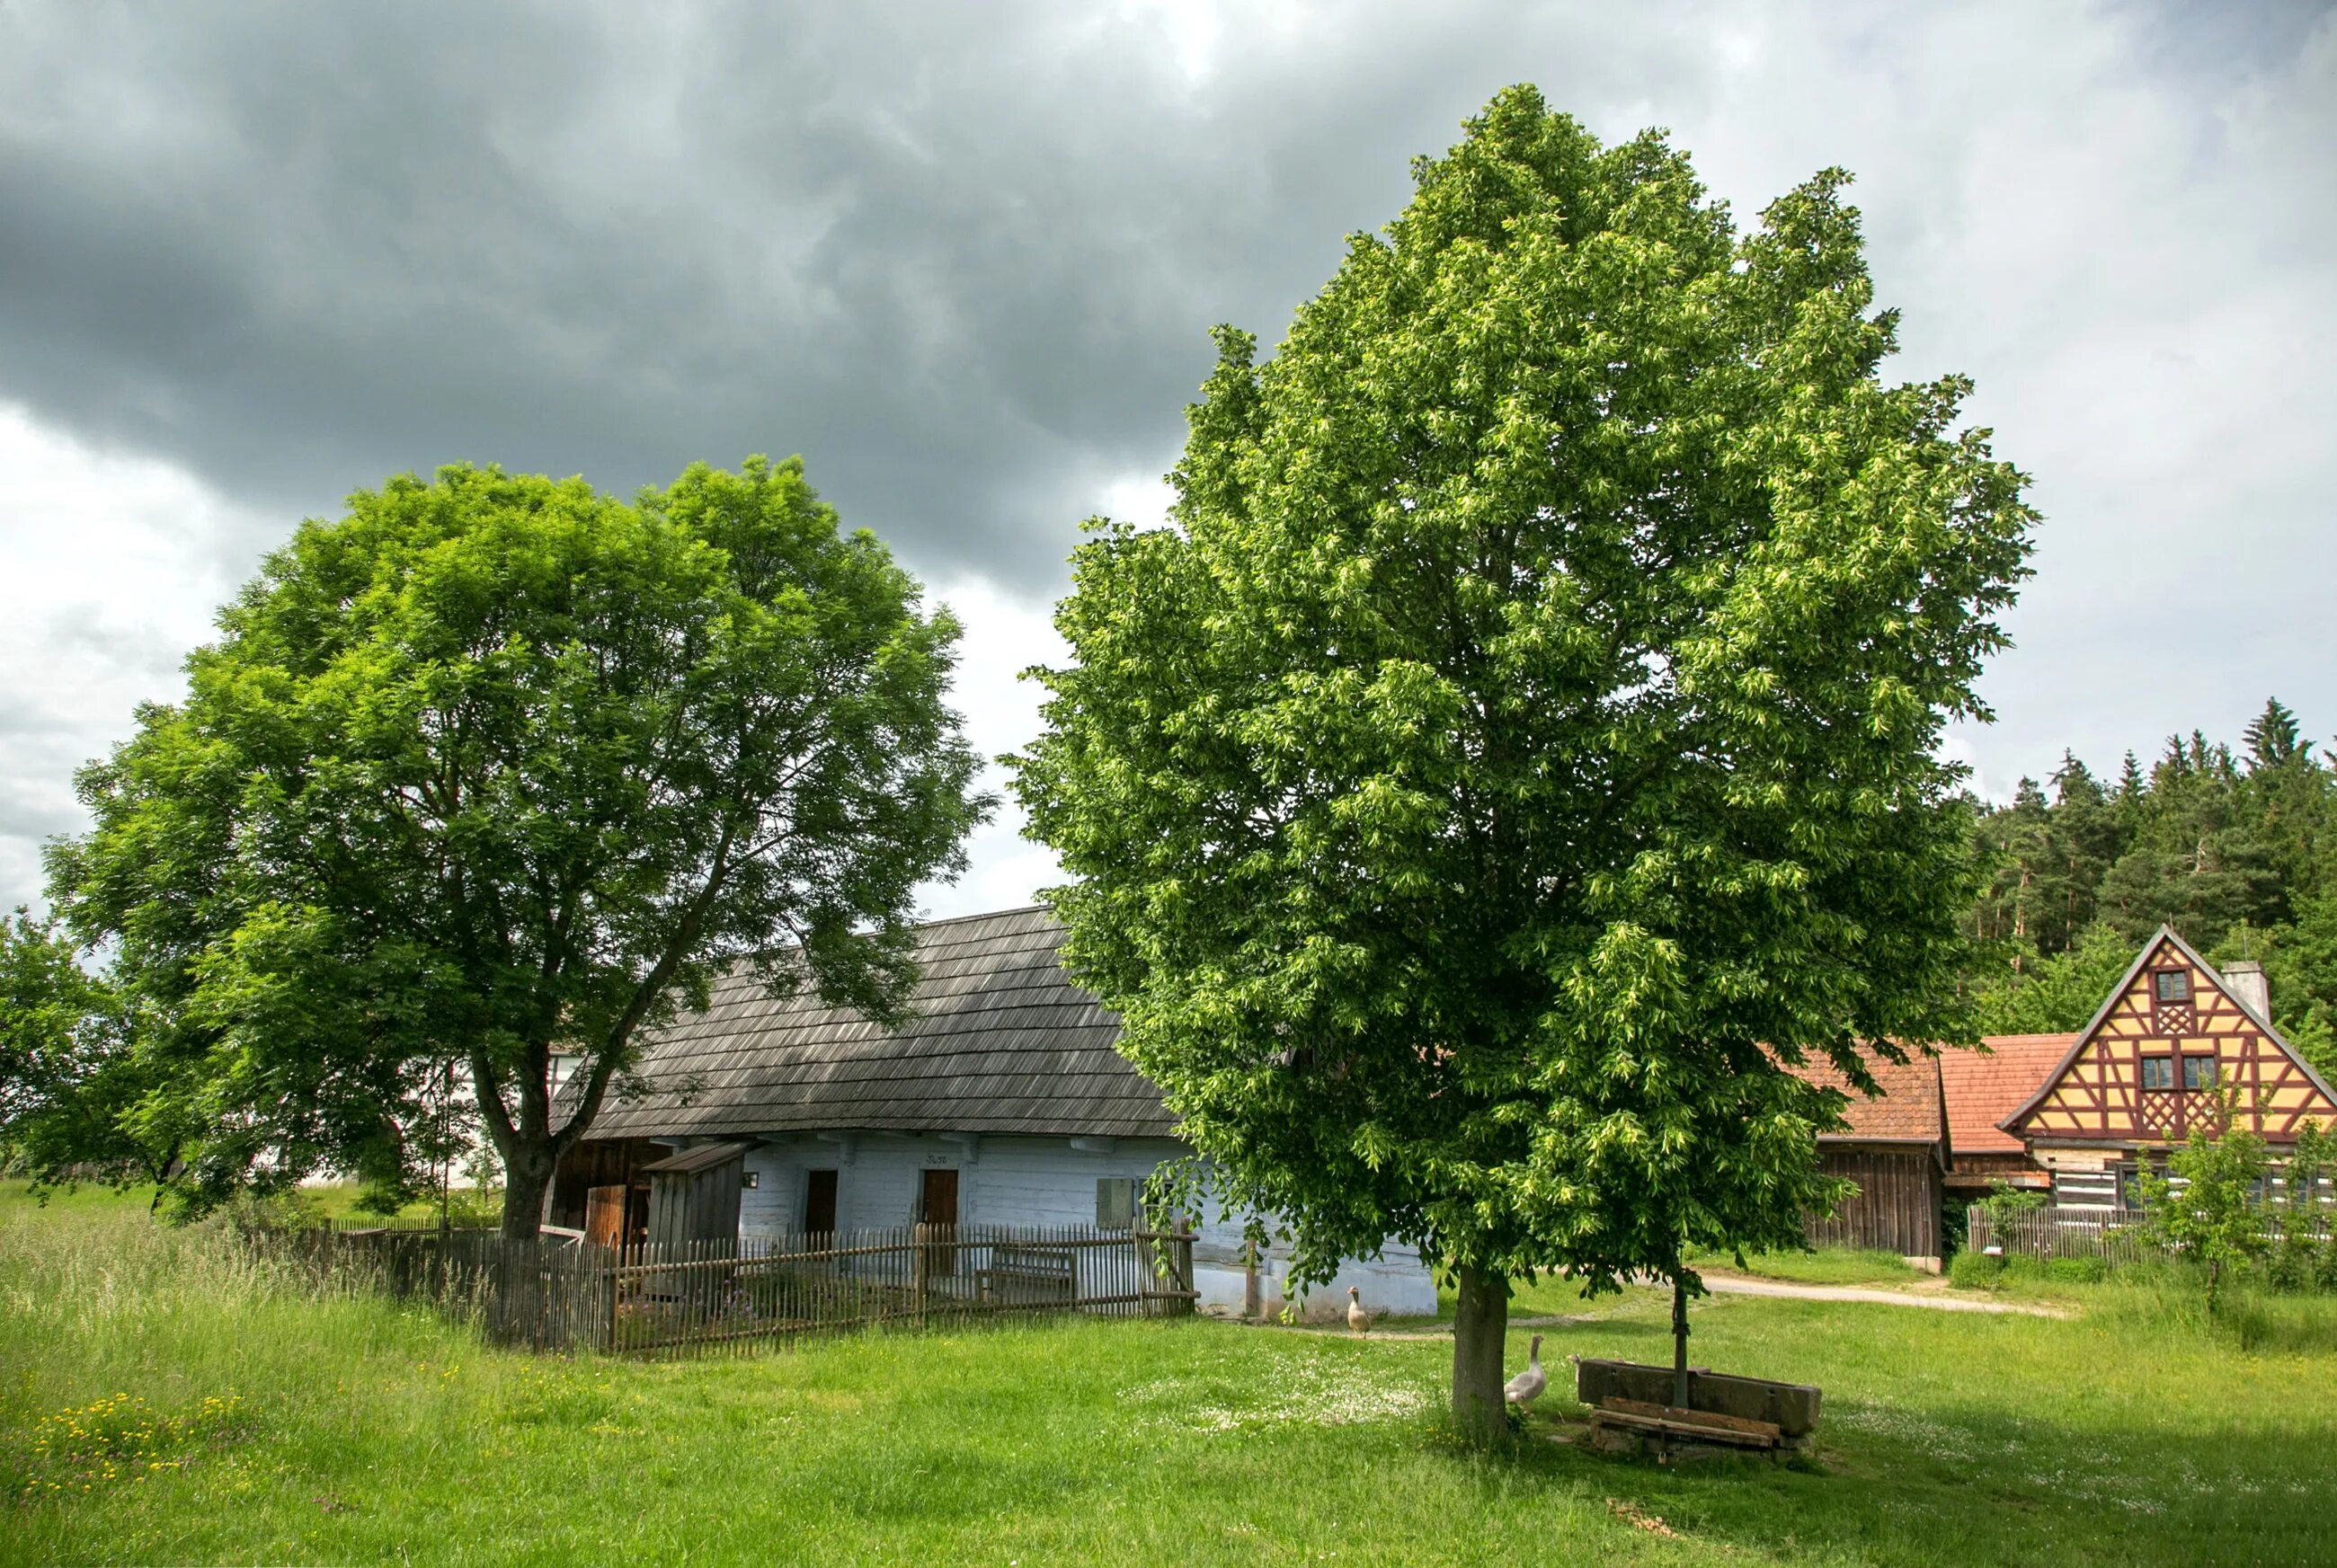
(1522, 744)
(496, 767)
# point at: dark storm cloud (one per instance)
(963, 257)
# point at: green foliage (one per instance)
(2007, 1202)
(2079, 1270)
(2235, 849)
(69, 1082)
(1522, 744)
(2304, 1251)
(1975, 1270)
(2299, 965)
(495, 764)
(2205, 1207)
(2059, 992)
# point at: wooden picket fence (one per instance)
(2115, 1236)
(2060, 1233)
(729, 1297)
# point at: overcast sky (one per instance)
(964, 258)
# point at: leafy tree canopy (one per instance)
(498, 766)
(1523, 740)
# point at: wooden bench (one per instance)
(1631, 1410)
(1669, 1421)
(1023, 1271)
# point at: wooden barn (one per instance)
(2147, 1071)
(1001, 1102)
(1897, 1150)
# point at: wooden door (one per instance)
(604, 1215)
(937, 1212)
(819, 1203)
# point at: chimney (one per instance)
(2243, 980)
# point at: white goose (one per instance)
(1357, 1319)
(1526, 1388)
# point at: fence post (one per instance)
(612, 1263)
(917, 1269)
(1184, 1263)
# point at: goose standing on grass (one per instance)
(1526, 1388)
(1357, 1319)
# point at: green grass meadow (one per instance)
(162, 1402)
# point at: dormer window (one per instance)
(2172, 985)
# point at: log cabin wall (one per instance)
(1897, 1209)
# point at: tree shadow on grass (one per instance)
(1892, 1486)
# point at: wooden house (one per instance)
(1001, 1102)
(1897, 1149)
(2150, 1069)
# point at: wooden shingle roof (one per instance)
(1002, 1042)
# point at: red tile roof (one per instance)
(1982, 1090)
(1909, 1109)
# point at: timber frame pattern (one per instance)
(2143, 1072)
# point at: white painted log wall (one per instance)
(1007, 1180)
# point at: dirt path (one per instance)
(1741, 1285)
(1927, 1295)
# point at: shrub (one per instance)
(2216, 1219)
(2077, 1270)
(2007, 1202)
(1975, 1270)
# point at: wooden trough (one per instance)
(1633, 1410)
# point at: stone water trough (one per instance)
(1633, 1410)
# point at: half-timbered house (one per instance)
(2156, 1064)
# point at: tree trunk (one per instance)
(1680, 1344)
(1481, 1322)
(527, 1177)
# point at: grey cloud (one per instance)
(963, 257)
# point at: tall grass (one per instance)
(175, 1403)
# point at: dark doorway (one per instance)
(819, 1203)
(937, 1212)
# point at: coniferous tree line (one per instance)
(2234, 847)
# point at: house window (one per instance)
(747, 1179)
(2198, 1073)
(1116, 1203)
(2158, 1072)
(2129, 1185)
(2173, 985)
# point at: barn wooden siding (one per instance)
(1897, 1209)
(694, 1194)
(598, 1162)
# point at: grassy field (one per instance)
(160, 1403)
